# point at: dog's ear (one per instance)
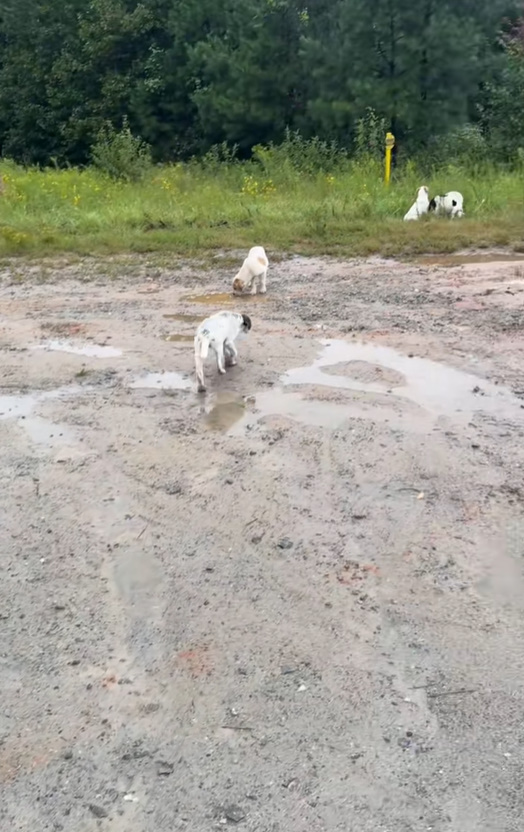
(246, 323)
(432, 204)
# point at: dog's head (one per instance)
(423, 192)
(238, 285)
(246, 323)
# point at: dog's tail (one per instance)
(201, 345)
(201, 352)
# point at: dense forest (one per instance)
(191, 74)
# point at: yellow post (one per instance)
(390, 143)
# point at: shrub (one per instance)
(370, 135)
(120, 154)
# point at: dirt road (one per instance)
(294, 604)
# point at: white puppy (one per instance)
(254, 266)
(451, 204)
(219, 332)
(420, 206)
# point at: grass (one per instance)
(195, 209)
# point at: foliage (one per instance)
(369, 135)
(502, 108)
(119, 154)
(194, 74)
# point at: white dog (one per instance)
(420, 206)
(254, 266)
(451, 204)
(219, 332)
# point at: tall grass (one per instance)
(317, 201)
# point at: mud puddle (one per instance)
(225, 411)
(223, 297)
(162, 381)
(87, 350)
(183, 318)
(178, 338)
(314, 412)
(41, 431)
(451, 260)
(436, 388)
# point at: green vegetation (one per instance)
(192, 125)
(191, 74)
(338, 207)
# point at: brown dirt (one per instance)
(295, 603)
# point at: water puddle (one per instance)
(41, 431)
(434, 387)
(183, 318)
(19, 406)
(176, 338)
(88, 350)
(226, 409)
(224, 297)
(450, 260)
(162, 381)
(385, 386)
(327, 414)
(44, 432)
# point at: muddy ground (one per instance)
(293, 604)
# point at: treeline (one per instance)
(447, 76)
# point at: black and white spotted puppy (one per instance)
(218, 332)
(450, 204)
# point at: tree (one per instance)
(248, 79)
(502, 104)
(32, 33)
(417, 64)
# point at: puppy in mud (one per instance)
(253, 269)
(218, 332)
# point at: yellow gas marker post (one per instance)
(390, 143)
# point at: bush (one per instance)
(120, 154)
(299, 155)
(465, 146)
(370, 135)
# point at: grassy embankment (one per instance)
(196, 209)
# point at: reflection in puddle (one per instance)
(176, 338)
(162, 381)
(438, 389)
(89, 350)
(450, 260)
(224, 297)
(226, 410)
(188, 319)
